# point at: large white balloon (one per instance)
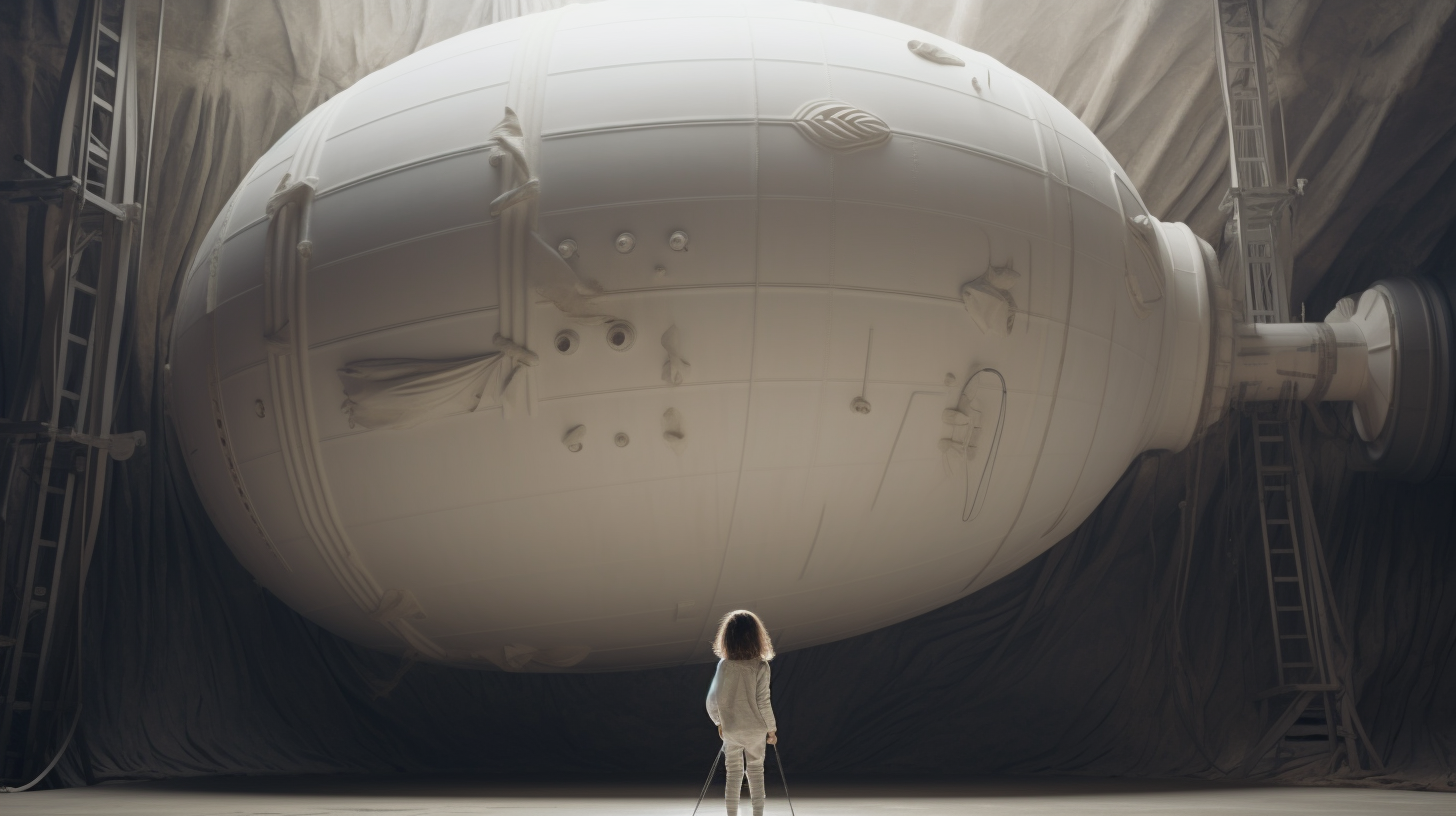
(547, 345)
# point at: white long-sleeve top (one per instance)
(738, 698)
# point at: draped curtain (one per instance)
(1133, 647)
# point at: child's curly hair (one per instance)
(741, 636)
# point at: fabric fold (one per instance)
(402, 393)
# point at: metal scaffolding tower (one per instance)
(1259, 191)
(1311, 654)
(56, 452)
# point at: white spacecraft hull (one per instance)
(791, 426)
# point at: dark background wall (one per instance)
(1134, 647)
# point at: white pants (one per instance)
(735, 751)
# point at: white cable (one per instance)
(35, 698)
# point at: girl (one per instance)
(739, 705)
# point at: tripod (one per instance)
(712, 770)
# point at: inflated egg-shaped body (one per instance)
(544, 347)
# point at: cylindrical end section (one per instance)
(1411, 439)
(1299, 361)
(1389, 353)
(1187, 378)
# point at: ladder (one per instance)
(1320, 711)
(1245, 85)
(93, 193)
(1258, 187)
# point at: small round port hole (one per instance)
(620, 335)
(567, 341)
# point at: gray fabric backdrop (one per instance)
(1131, 648)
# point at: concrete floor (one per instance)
(324, 796)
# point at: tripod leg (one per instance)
(779, 758)
(711, 771)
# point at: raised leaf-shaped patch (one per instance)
(839, 126)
